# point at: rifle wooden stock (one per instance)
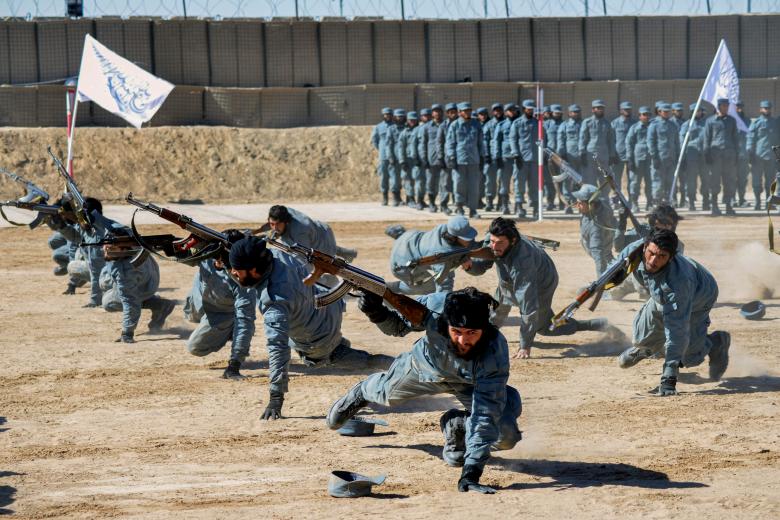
(409, 308)
(482, 252)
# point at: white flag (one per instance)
(118, 85)
(722, 82)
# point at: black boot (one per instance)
(346, 408)
(410, 202)
(459, 209)
(715, 212)
(730, 211)
(705, 203)
(421, 202)
(505, 205)
(384, 198)
(519, 211)
(160, 310)
(432, 203)
(232, 370)
(481, 204)
(396, 199)
(489, 205)
(757, 205)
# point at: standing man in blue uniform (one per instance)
(491, 168)
(569, 149)
(378, 137)
(463, 150)
(720, 146)
(445, 183)
(663, 143)
(764, 133)
(693, 168)
(434, 155)
(596, 137)
(621, 125)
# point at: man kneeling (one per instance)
(461, 354)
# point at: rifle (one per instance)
(126, 246)
(352, 278)
(44, 210)
(75, 197)
(202, 243)
(614, 275)
(566, 169)
(610, 179)
(462, 253)
(32, 194)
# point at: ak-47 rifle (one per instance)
(74, 196)
(352, 278)
(565, 168)
(32, 194)
(463, 253)
(202, 243)
(43, 211)
(127, 246)
(616, 273)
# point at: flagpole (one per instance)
(688, 133)
(72, 105)
(540, 151)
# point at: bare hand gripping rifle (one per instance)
(616, 273)
(32, 195)
(352, 278)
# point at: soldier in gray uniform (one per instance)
(720, 145)
(224, 311)
(678, 115)
(597, 226)
(501, 151)
(394, 160)
(663, 144)
(483, 116)
(293, 227)
(568, 142)
(522, 138)
(596, 137)
(527, 278)
(463, 151)
(445, 183)
(461, 354)
(674, 321)
(638, 157)
(551, 127)
(420, 183)
(621, 125)
(763, 135)
(378, 136)
(491, 168)
(412, 245)
(743, 163)
(290, 320)
(434, 155)
(694, 168)
(406, 153)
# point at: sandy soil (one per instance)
(213, 164)
(94, 429)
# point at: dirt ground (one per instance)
(95, 429)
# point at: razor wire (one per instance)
(386, 9)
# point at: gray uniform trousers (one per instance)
(407, 179)
(445, 185)
(662, 174)
(763, 175)
(567, 186)
(649, 333)
(418, 177)
(213, 331)
(723, 171)
(402, 381)
(542, 319)
(696, 170)
(525, 178)
(466, 179)
(503, 179)
(432, 174)
(490, 172)
(385, 180)
(60, 249)
(635, 178)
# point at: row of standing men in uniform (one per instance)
(443, 152)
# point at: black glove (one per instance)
(273, 410)
(373, 307)
(469, 481)
(126, 337)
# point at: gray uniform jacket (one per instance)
(501, 145)
(720, 133)
(487, 374)
(523, 137)
(621, 125)
(391, 143)
(597, 232)
(378, 137)
(433, 151)
(683, 287)
(636, 143)
(488, 131)
(464, 142)
(290, 320)
(694, 148)
(569, 139)
(524, 273)
(404, 145)
(597, 136)
(416, 244)
(217, 295)
(101, 226)
(764, 133)
(663, 141)
(551, 127)
(307, 232)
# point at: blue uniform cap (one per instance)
(659, 103)
(556, 108)
(459, 226)
(425, 112)
(665, 107)
(546, 108)
(585, 192)
(597, 103)
(754, 310)
(495, 106)
(360, 427)
(465, 105)
(574, 108)
(765, 104)
(677, 106)
(411, 115)
(529, 103)
(510, 106)
(450, 106)
(644, 110)
(482, 110)
(740, 103)
(399, 112)
(626, 105)
(345, 484)
(693, 107)
(722, 100)
(387, 110)
(436, 106)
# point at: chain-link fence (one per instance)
(388, 9)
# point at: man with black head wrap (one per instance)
(290, 319)
(674, 321)
(461, 354)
